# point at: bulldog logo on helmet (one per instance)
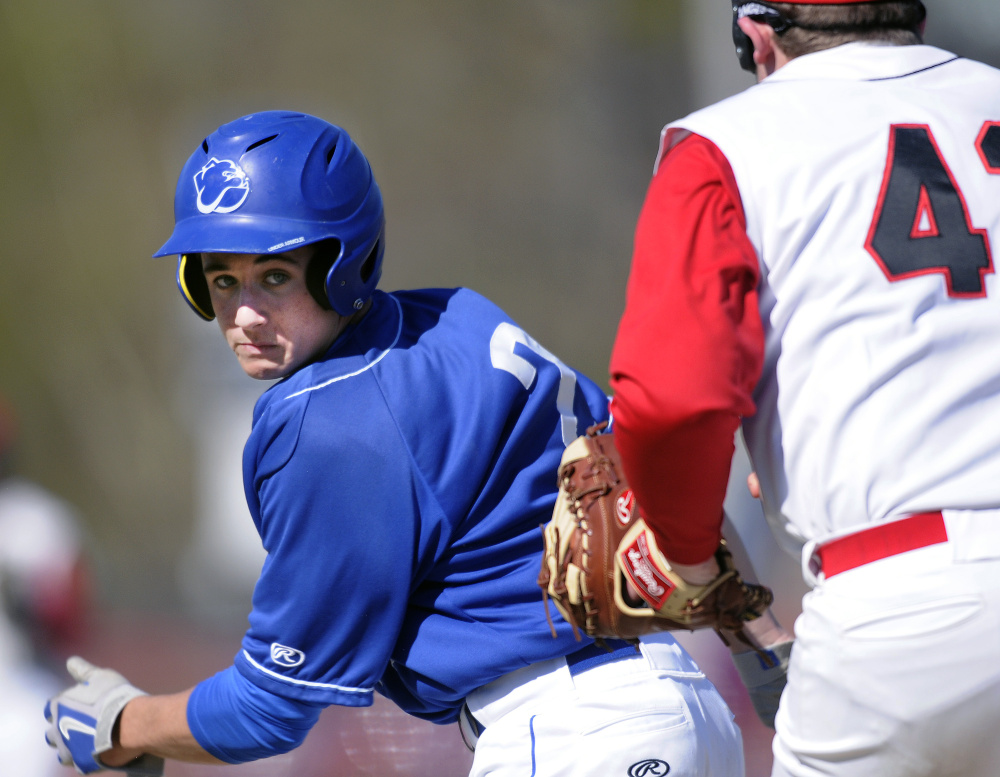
(222, 186)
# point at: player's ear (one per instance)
(762, 36)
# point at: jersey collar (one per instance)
(861, 62)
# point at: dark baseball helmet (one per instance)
(762, 11)
(273, 181)
(744, 46)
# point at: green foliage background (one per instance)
(513, 142)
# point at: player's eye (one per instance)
(223, 281)
(276, 277)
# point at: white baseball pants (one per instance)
(644, 715)
(896, 666)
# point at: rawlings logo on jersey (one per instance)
(221, 185)
(625, 506)
(637, 561)
(283, 655)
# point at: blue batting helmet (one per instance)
(273, 181)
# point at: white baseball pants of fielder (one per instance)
(645, 715)
(896, 666)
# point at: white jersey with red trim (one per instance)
(880, 394)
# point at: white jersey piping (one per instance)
(306, 683)
(399, 331)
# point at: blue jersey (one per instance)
(398, 485)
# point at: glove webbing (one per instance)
(567, 615)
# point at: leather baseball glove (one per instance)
(597, 540)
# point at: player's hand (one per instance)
(82, 719)
(696, 574)
(761, 633)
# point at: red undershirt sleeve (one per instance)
(689, 348)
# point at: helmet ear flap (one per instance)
(350, 284)
(373, 261)
(191, 281)
(744, 46)
(328, 286)
(327, 252)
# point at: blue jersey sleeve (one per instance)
(338, 520)
(236, 721)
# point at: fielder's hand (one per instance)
(82, 719)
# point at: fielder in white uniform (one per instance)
(817, 253)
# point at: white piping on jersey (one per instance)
(307, 683)
(399, 331)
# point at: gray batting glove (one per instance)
(765, 683)
(82, 719)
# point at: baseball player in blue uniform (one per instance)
(398, 474)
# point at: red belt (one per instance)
(881, 541)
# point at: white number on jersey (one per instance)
(502, 355)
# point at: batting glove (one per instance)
(82, 718)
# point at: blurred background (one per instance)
(513, 143)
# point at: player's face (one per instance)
(267, 314)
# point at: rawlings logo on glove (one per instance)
(636, 561)
(596, 544)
